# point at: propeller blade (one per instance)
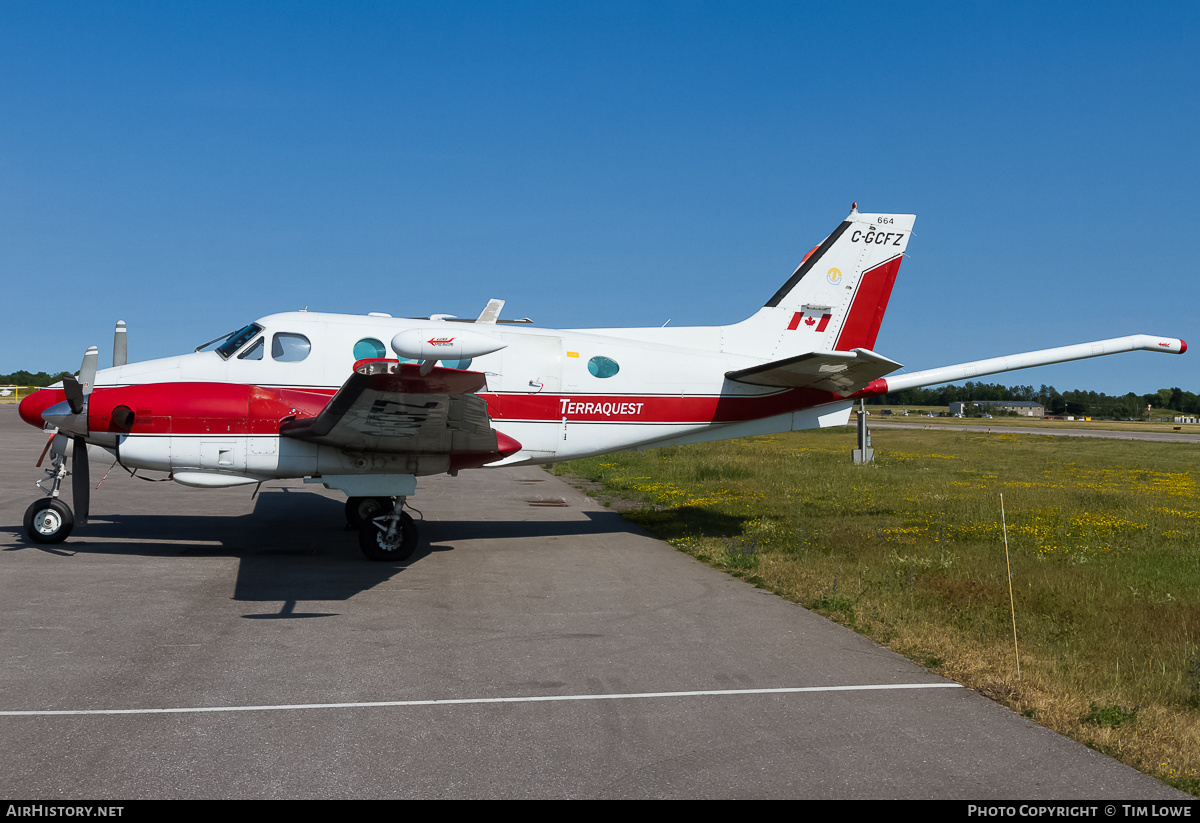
(77, 389)
(74, 392)
(81, 484)
(87, 371)
(120, 345)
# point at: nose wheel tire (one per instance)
(49, 520)
(377, 544)
(361, 509)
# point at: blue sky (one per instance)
(189, 167)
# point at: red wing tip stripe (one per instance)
(506, 445)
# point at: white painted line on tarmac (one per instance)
(470, 700)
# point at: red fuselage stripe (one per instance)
(239, 409)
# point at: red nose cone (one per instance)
(1182, 346)
(33, 405)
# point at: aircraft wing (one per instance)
(840, 372)
(389, 407)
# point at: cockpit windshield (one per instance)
(233, 342)
(238, 339)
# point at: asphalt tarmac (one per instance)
(210, 644)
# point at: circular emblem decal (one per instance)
(834, 276)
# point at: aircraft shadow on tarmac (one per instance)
(293, 546)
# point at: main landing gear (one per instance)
(361, 509)
(385, 531)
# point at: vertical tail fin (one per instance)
(836, 298)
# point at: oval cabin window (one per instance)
(369, 349)
(603, 367)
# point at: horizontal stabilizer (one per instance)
(840, 372)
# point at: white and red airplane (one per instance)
(311, 395)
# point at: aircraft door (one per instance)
(530, 380)
(531, 364)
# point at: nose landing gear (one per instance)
(50, 520)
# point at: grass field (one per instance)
(1104, 539)
(917, 416)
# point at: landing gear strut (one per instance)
(50, 520)
(391, 536)
(361, 509)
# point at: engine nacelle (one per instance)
(444, 344)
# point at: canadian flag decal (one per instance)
(813, 317)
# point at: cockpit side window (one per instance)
(236, 340)
(255, 352)
(289, 347)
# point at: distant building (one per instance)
(1026, 408)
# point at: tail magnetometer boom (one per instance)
(1013, 362)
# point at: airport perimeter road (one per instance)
(206, 644)
(1107, 434)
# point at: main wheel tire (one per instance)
(376, 545)
(361, 509)
(48, 520)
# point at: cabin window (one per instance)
(255, 352)
(369, 349)
(289, 347)
(603, 367)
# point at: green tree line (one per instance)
(24, 378)
(1077, 402)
